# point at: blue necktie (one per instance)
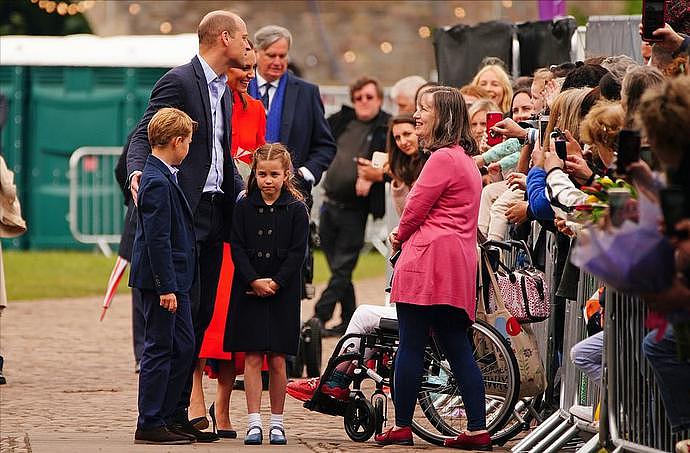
(174, 177)
(264, 98)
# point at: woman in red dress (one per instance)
(248, 132)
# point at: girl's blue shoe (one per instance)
(277, 436)
(254, 438)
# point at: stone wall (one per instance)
(334, 41)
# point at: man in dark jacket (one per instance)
(349, 198)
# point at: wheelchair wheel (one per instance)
(359, 419)
(312, 347)
(379, 410)
(440, 411)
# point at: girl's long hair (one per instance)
(403, 167)
(274, 151)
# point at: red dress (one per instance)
(248, 133)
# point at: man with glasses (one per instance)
(349, 198)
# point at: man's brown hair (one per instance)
(361, 83)
(167, 124)
(215, 23)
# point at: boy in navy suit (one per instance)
(163, 268)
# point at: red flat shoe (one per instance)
(466, 442)
(402, 436)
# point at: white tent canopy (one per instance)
(90, 50)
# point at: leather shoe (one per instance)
(466, 442)
(160, 435)
(189, 429)
(277, 436)
(254, 438)
(402, 436)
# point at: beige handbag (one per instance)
(11, 222)
(524, 344)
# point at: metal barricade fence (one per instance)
(637, 419)
(96, 209)
(561, 429)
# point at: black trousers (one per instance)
(342, 238)
(208, 224)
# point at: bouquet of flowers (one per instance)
(604, 195)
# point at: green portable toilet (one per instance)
(80, 91)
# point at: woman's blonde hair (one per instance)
(274, 151)
(602, 124)
(565, 113)
(503, 79)
(663, 113)
(483, 105)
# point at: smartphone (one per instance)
(674, 207)
(491, 119)
(652, 18)
(561, 150)
(628, 149)
(379, 159)
(543, 123)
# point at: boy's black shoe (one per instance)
(2, 379)
(187, 429)
(160, 435)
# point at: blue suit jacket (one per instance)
(164, 255)
(185, 88)
(304, 129)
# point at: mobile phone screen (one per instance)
(561, 150)
(652, 18)
(543, 122)
(673, 205)
(491, 119)
(628, 149)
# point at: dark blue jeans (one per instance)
(672, 375)
(449, 326)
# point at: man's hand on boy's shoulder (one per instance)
(169, 302)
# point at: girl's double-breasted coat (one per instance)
(267, 241)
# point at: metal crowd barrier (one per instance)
(96, 211)
(636, 417)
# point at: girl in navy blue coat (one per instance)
(269, 244)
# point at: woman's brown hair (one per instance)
(451, 122)
(403, 167)
(274, 151)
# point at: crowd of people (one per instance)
(221, 169)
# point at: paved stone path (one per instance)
(71, 385)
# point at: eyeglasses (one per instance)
(361, 97)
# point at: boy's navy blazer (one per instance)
(164, 255)
(185, 88)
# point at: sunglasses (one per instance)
(361, 97)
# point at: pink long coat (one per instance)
(438, 228)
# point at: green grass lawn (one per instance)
(58, 274)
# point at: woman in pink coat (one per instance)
(434, 282)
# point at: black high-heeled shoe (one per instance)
(224, 433)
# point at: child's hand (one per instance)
(262, 288)
(274, 286)
(169, 302)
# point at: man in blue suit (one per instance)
(294, 111)
(208, 177)
(163, 269)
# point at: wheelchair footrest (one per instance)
(324, 404)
